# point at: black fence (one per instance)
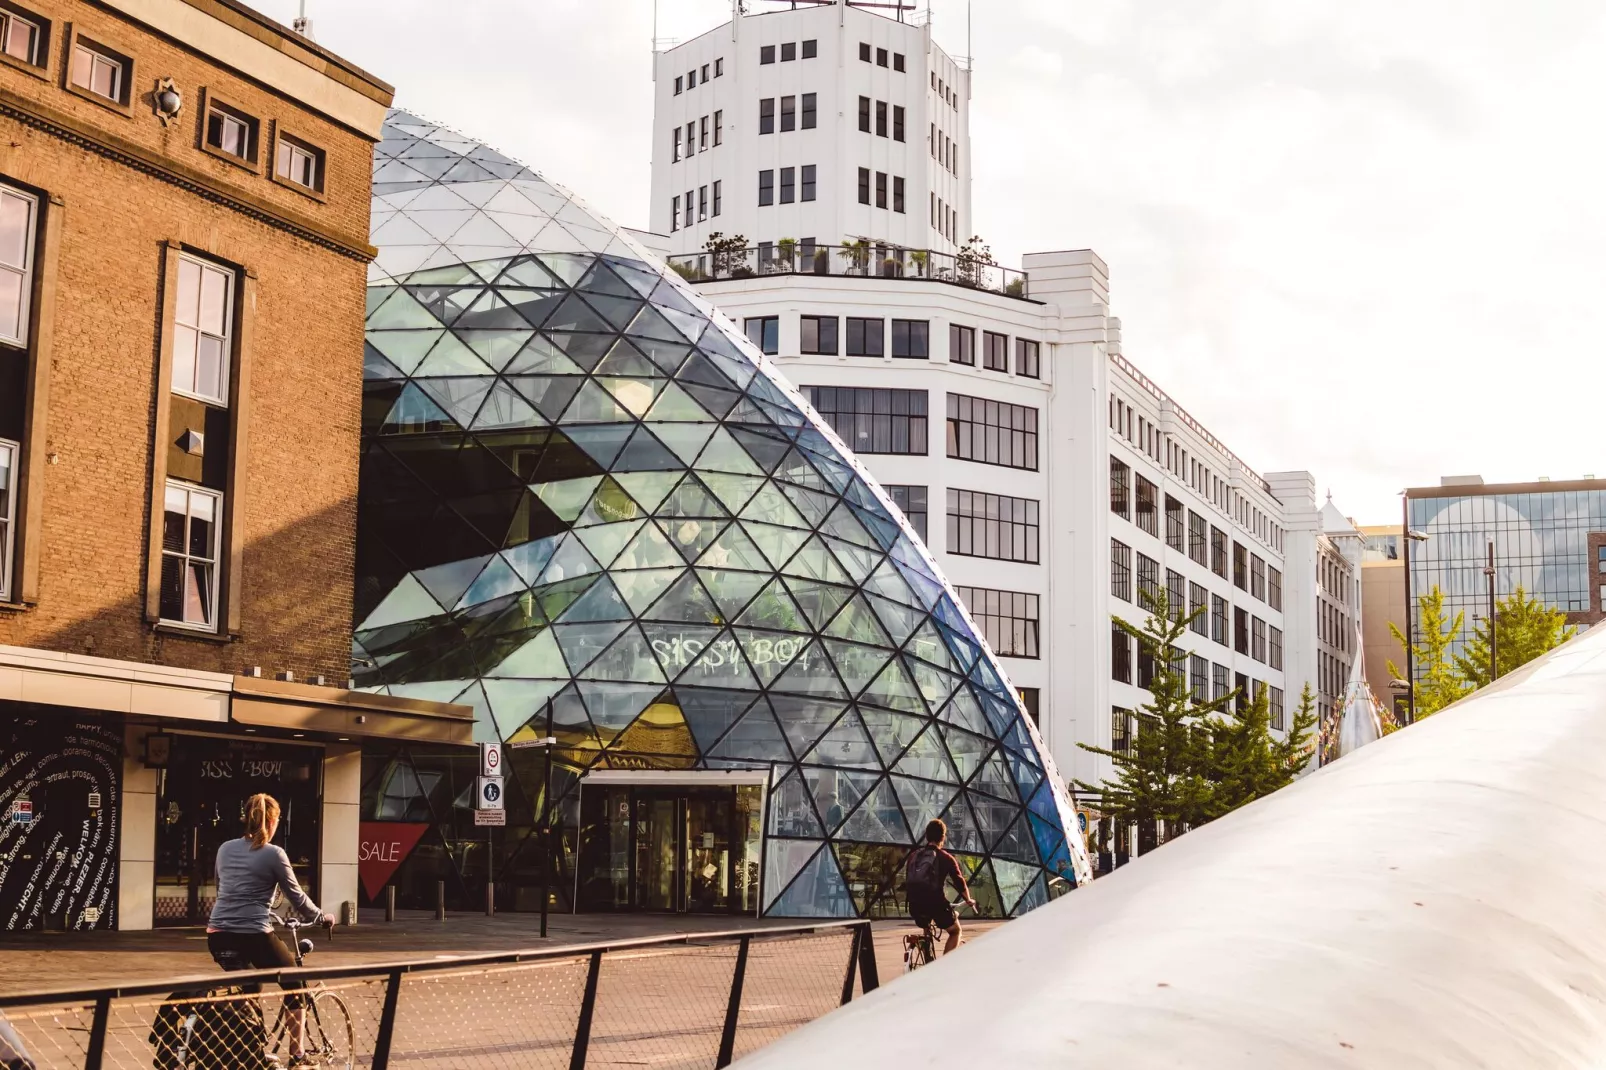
(694, 1000)
(853, 260)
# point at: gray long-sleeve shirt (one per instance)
(246, 878)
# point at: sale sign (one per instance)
(381, 847)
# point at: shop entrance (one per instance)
(671, 848)
(200, 803)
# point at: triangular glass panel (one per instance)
(505, 409)
(888, 582)
(963, 710)
(733, 549)
(583, 642)
(495, 348)
(626, 360)
(757, 738)
(858, 561)
(537, 659)
(592, 404)
(858, 623)
(675, 405)
(922, 800)
(601, 442)
(677, 644)
(928, 758)
(858, 664)
(966, 750)
(446, 583)
(927, 645)
(401, 311)
(687, 440)
(618, 311)
(409, 600)
(648, 488)
(575, 315)
(613, 706)
(555, 598)
(649, 549)
(935, 685)
(820, 601)
(567, 497)
(496, 580)
(645, 454)
(890, 731)
(717, 401)
(1016, 843)
(690, 498)
(628, 659)
(878, 819)
(778, 544)
(731, 590)
(808, 672)
(570, 560)
(805, 720)
(711, 713)
(773, 608)
(894, 688)
(404, 349)
(690, 535)
(815, 562)
(640, 588)
(604, 541)
(847, 744)
(538, 357)
(770, 506)
(731, 490)
(600, 602)
(685, 602)
(837, 791)
(792, 809)
(993, 778)
(666, 356)
(549, 394)
(963, 832)
(842, 524)
(530, 558)
(635, 395)
(720, 663)
(515, 703)
(723, 454)
(783, 860)
(460, 398)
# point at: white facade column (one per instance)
(136, 835)
(1302, 521)
(342, 811)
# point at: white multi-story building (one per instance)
(1052, 480)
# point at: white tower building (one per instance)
(1052, 480)
(824, 123)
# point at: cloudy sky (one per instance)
(1363, 239)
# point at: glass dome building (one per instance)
(724, 664)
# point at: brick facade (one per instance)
(128, 186)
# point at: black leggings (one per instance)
(251, 951)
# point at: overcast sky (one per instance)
(1363, 239)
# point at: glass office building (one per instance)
(591, 510)
(1547, 537)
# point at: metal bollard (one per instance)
(440, 900)
(490, 899)
(390, 902)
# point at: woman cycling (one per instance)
(249, 870)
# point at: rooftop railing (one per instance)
(856, 261)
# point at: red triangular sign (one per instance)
(382, 846)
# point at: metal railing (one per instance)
(691, 1000)
(853, 261)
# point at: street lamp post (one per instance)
(1488, 572)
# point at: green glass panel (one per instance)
(461, 398)
(820, 601)
(811, 503)
(504, 409)
(451, 357)
(618, 311)
(837, 791)
(530, 558)
(674, 405)
(778, 544)
(557, 597)
(842, 524)
(792, 811)
(496, 580)
(601, 602)
(592, 404)
(602, 280)
(922, 801)
(815, 562)
(766, 450)
(717, 401)
(690, 498)
(723, 454)
(400, 311)
(795, 468)
(573, 315)
(648, 488)
(845, 743)
(756, 738)
(935, 685)
(642, 587)
(649, 549)
(686, 602)
(666, 355)
(629, 658)
(770, 506)
(550, 394)
(524, 270)
(928, 758)
(495, 348)
(404, 348)
(892, 732)
(733, 549)
(611, 504)
(408, 601)
(686, 440)
(537, 659)
(859, 664)
(927, 645)
(774, 609)
(858, 561)
(583, 642)
(858, 623)
(634, 395)
(540, 357)
(567, 497)
(878, 819)
(416, 411)
(966, 750)
(887, 582)
(964, 711)
(894, 688)
(649, 324)
(993, 778)
(446, 583)
(570, 560)
(625, 359)
(692, 536)
(721, 663)
(731, 590)
(733, 491)
(515, 703)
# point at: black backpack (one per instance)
(925, 875)
(209, 1030)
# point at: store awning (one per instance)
(337, 713)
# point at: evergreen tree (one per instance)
(1524, 628)
(1161, 778)
(1438, 682)
(1247, 761)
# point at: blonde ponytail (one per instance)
(261, 814)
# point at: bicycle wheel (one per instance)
(331, 1038)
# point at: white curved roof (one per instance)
(1437, 899)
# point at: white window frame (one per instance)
(225, 341)
(8, 517)
(7, 19)
(98, 55)
(185, 557)
(25, 270)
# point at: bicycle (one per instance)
(327, 1038)
(920, 949)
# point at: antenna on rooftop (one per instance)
(302, 24)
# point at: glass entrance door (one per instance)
(681, 850)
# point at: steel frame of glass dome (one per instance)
(586, 497)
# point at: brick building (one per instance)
(184, 204)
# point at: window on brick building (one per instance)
(202, 330)
(22, 37)
(301, 164)
(99, 72)
(233, 133)
(18, 220)
(8, 512)
(191, 527)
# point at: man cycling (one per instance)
(926, 875)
